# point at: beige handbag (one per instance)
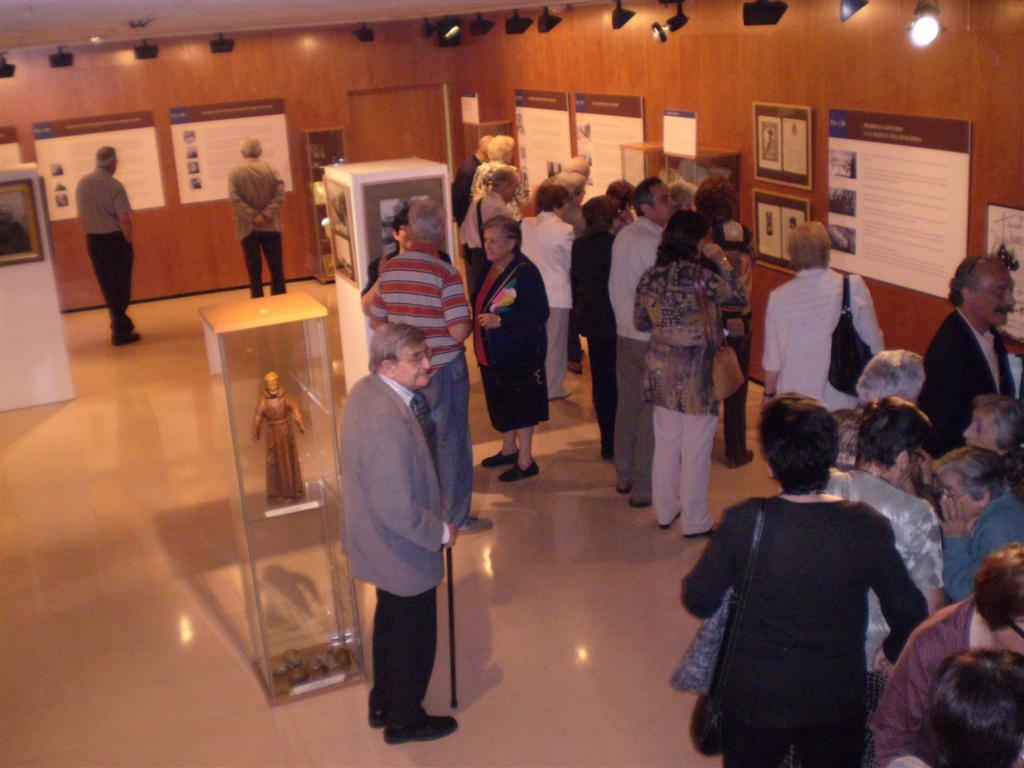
(726, 375)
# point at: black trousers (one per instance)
(112, 257)
(837, 745)
(404, 645)
(270, 243)
(734, 408)
(605, 390)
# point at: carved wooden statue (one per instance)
(278, 411)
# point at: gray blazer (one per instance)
(392, 503)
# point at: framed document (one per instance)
(782, 144)
(19, 226)
(775, 216)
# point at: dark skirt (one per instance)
(517, 395)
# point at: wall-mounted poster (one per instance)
(207, 142)
(603, 124)
(66, 151)
(776, 215)
(19, 227)
(679, 132)
(1004, 235)
(10, 150)
(782, 144)
(543, 136)
(339, 216)
(897, 197)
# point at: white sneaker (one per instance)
(475, 525)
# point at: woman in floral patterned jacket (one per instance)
(678, 302)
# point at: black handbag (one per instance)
(706, 720)
(849, 352)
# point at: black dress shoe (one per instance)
(623, 488)
(518, 473)
(377, 718)
(431, 728)
(703, 534)
(500, 459)
(130, 338)
(733, 462)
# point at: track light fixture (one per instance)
(849, 7)
(146, 50)
(763, 13)
(449, 32)
(660, 32)
(517, 24)
(547, 21)
(6, 70)
(61, 58)
(621, 15)
(363, 34)
(925, 27)
(222, 44)
(480, 26)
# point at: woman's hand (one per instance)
(959, 514)
(489, 320)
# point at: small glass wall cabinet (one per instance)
(300, 606)
(322, 148)
(707, 162)
(641, 160)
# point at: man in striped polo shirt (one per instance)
(417, 287)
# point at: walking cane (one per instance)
(451, 625)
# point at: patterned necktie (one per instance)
(421, 411)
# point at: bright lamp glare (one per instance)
(924, 30)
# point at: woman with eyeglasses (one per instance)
(991, 618)
(979, 513)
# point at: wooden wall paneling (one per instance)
(404, 121)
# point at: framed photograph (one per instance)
(339, 216)
(775, 215)
(19, 223)
(382, 201)
(782, 144)
(1004, 236)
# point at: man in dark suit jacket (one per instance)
(966, 357)
(394, 528)
(462, 185)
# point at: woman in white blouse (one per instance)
(802, 315)
(547, 242)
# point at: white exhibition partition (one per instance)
(361, 198)
(34, 367)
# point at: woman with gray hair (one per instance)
(801, 316)
(997, 423)
(979, 513)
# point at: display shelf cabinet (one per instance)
(300, 608)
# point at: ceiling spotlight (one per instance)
(146, 50)
(222, 44)
(547, 21)
(363, 34)
(763, 13)
(925, 27)
(517, 24)
(61, 58)
(849, 7)
(620, 15)
(6, 70)
(480, 26)
(449, 32)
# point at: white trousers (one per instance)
(682, 467)
(558, 352)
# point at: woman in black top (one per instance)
(798, 673)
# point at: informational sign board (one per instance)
(470, 103)
(679, 133)
(898, 197)
(543, 135)
(66, 151)
(207, 142)
(10, 152)
(603, 124)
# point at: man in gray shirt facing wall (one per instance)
(106, 216)
(256, 192)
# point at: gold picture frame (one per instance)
(20, 239)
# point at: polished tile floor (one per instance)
(114, 514)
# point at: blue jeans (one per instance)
(448, 397)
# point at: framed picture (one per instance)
(775, 216)
(1004, 236)
(782, 144)
(339, 217)
(19, 223)
(382, 201)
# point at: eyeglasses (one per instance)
(1015, 627)
(941, 491)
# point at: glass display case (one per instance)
(321, 149)
(707, 162)
(641, 160)
(300, 609)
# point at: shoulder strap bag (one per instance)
(726, 375)
(849, 352)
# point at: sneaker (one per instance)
(475, 525)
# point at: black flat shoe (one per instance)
(518, 473)
(741, 461)
(377, 718)
(428, 730)
(623, 488)
(500, 459)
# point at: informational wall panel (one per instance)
(603, 124)
(10, 152)
(207, 143)
(679, 132)
(66, 151)
(543, 135)
(898, 197)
